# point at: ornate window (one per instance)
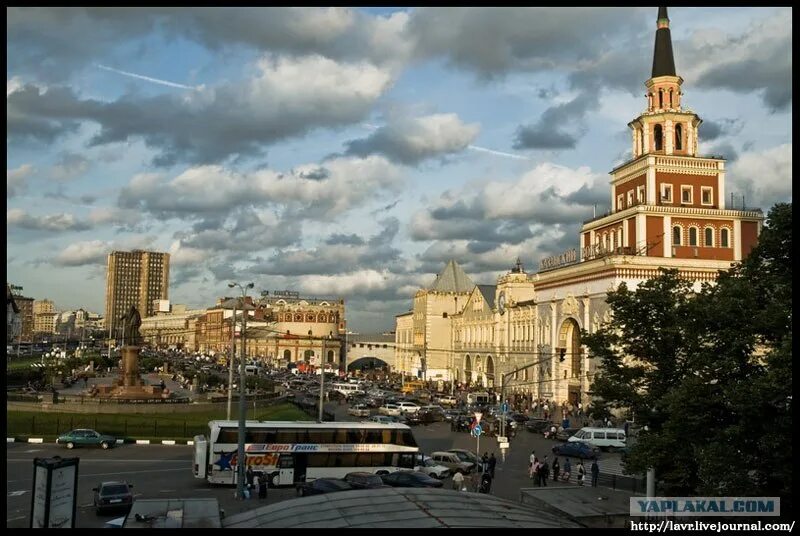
(630, 198)
(686, 194)
(677, 233)
(678, 135)
(692, 236)
(707, 195)
(724, 239)
(709, 238)
(620, 202)
(666, 193)
(640, 194)
(658, 137)
(298, 318)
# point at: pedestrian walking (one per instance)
(595, 473)
(250, 474)
(262, 487)
(475, 481)
(486, 483)
(256, 486)
(531, 465)
(458, 482)
(544, 471)
(556, 468)
(492, 464)
(484, 461)
(581, 472)
(567, 472)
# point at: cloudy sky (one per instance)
(352, 152)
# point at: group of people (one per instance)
(540, 470)
(256, 484)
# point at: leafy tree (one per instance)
(708, 373)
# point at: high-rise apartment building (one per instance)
(134, 278)
(44, 316)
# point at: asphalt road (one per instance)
(165, 471)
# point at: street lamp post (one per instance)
(230, 364)
(507, 375)
(322, 382)
(241, 460)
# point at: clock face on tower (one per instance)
(501, 303)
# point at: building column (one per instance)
(646, 135)
(721, 185)
(650, 179)
(737, 240)
(667, 236)
(690, 138)
(641, 233)
(669, 137)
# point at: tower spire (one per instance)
(663, 60)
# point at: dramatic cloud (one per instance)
(17, 179)
(248, 231)
(410, 140)
(282, 100)
(53, 223)
(763, 177)
(710, 130)
(83, 253)
(547, 134)
(760, 59)
(216, 191)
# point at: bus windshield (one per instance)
(291, 452)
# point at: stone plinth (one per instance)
(129, 385)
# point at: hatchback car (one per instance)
(411, 479)
(323, 485)
(359, 410)
(86, 438)
(431, 468)
(112, 496)
(364, 480)
(576, 449)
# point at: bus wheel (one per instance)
(381, 473)
(275, 479)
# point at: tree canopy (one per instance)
(708, 373)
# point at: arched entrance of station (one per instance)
(467, 369)
(489, 371)
(569, 337)
(287, 355)
(480, 378)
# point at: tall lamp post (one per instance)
(241, 460)
(322, 379)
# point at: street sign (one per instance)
(504, 407)
(477, 430)
(478, 416)
(504, 445)
(501, 439)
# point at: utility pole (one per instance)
(322, 382)
(230, 363)
(241, 456)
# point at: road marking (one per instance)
(16, 518)
(119, 473)
(167, 490)
(32, 450)
(17, 493)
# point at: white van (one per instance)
(604, 438)
(347, 389)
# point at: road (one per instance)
(165, 471)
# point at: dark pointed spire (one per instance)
(663, 60)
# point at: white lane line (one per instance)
(16, 493)
(16, 518)
(188, 468)
(32, 450)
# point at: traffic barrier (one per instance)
(142, 441)
(9, 440)
(190, 443)
(35, 440)
(168, 442)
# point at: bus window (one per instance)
(228, 435)
(386, 437)
(374, 436)
(344, 460)
(286, 435)
(341, 436)
(357, 437)
(406, 459)
(319, 460)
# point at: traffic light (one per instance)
(562, 354)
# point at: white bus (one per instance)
(290, 452)
(348, 389)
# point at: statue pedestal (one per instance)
(130, 385)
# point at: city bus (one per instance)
(290, 452)
(411, 386)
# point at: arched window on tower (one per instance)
(670, 98)
(723, 238)
(660, 98)
(692, 236)
(658, 137)
(678, 137)
(709, 232)
(676, 236)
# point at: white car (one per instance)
(408, 407)
(447, 400)
(389, 409)
(430, 467)
(359, 410)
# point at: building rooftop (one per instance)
(452, 279)
(409, 508)
(488, 292)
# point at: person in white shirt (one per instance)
(458, 482)
(531, 464)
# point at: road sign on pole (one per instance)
(504, 407)
(501, 439)
(478, 416)
(477, 430)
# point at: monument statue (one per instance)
(131, 321)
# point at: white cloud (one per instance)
(764, 177)
(82, 253)
(17, 179)
(54, 222)
(13, 84)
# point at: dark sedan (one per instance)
(537, 425)
(110, 496)
(364, 480)
(576, 449)
(323, 485)
(411, 479)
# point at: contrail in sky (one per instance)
(147, 78)
(498, 153)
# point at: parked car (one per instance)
(519, 417)
(83, 437)
(408, 407)
(447, 400)
(364, 480)
(113, 496)
(537, 425)
(389, 409)
(452, 461)
(383, 419)
(576, 449)
(411, 479)
(359, 410)
(466, 456)
(604, 438)
(323, 485)
(425, 464)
